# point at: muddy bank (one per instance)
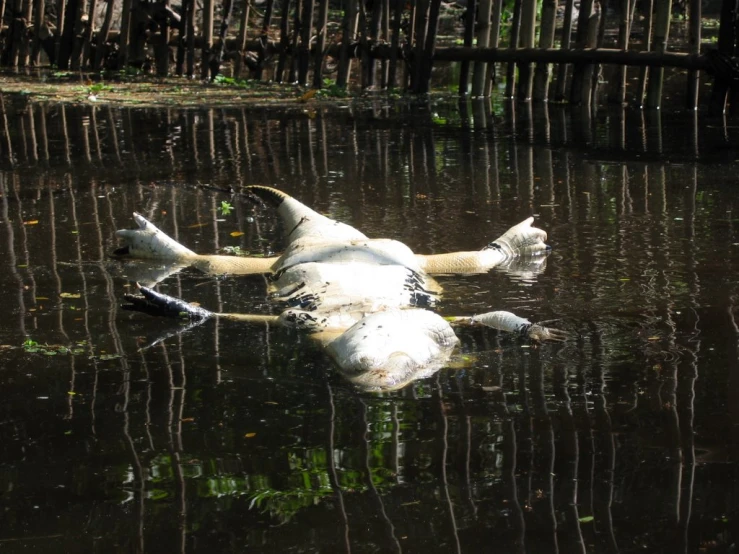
(147, 91)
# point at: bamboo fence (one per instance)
(396, 44)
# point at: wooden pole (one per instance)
(546, 40)
(385, 30)
(215, 66)
(102, 36)
(694, 46)
(644, 72)
(618, 90)
(38, 26)
(349, 31)
(264, 39)
(305, 38)
(510, 84)
(421, 26)
(661, 34)
(587, 34)
(295, 39)
(124, 34)
(207, 34)
(726, 48)
(467, 37)
(427, 59)
(395, 43)
(494, 43)
(187, 5)
(483, 41)
(319, 53)
(87, 50)
(528, 33)
(559, 91)
(284, 40)
(190, 68)
(161, 47)
(78, 37)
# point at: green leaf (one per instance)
(586, 519)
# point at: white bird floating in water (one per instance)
(365, 300)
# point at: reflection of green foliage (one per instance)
(283, 505)
(33, 347)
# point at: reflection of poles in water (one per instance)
(210, 133)
(669, 369)
(175, 410)
(95, 132)
(58, 280)
(654, 130)
(44, 138)
(525, 441)
(323, 142)
(542, 449)
(733, 377)
(510, 467)
(130, 132)
(85, 132)
(113, 134)
(583, 422)
(136, 468)
(365, 439)
(543, 159)
(192, 124)
(23, 138)
(444, 432)
(245, 141)
(331, 459)
(604, 438)
(688, 373)
(6, 132)
(65, 134)
(29, 283)
(526, 150)
(567, 447)
(11, 256)
(32, 132)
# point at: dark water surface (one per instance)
(237, 438)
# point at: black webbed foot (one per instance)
(157, 304)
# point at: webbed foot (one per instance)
(157, 304)
(541, 333)
(148, 241)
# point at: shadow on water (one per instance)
(231, 438)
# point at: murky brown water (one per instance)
(234, 438)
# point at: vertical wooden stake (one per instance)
(661, 34)
(483, 41)
(694, 47)
(349, 31)
(510, 84)
(207, 37)
(559, 91)
(546, 40)
(469, 34)
(320, 43)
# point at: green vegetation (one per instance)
(225, 208)
(33, 347)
